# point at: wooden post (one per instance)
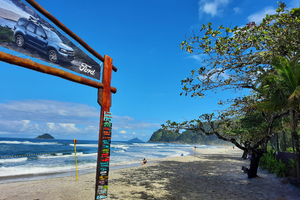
(104, 99)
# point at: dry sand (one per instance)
(211, 174)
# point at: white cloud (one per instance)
(237, 10)
(34, 117)
(126, 118)
(133, 133)
(49, 111)
(258, 16)
(196, 57)
(128, 123)
(213, 8)
(25, 125)
(125, 136)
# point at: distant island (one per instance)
(45, 136)
(135, 140)
(186, 137)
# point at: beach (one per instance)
(211, 174)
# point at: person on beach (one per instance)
(182, 154)
(144, 162)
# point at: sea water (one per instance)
(21, 158)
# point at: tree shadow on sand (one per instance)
(216, 177)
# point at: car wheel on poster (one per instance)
(20, 42)
(52, 55)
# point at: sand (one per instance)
(211, 174)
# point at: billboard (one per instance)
(23, 30)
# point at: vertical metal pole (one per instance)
(75, 141)
(104, 99)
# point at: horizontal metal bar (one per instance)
(27, 63)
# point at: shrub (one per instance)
(290, 149)
(269, 162)
(280, 169)
(6, 34)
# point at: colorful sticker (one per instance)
(103, 173)
(107, 142)
(106, 113)
(107, 133)
(105, 155)
(107, 128)
(104, 159)
(102, 197)
(105, 164)
(100, 187)
(103, 177)
(103, 182)
(103, 169)
(107, 119)
(107, 124)
(105, 150)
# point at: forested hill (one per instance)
(187, 137)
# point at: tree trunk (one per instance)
(294, 120)
(284, 141)
(293, 142)
(256, 155)
(244, 156)
(276, 142)
(283, 135)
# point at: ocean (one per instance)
(31, 159)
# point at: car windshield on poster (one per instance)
(23, 30)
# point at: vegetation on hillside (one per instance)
(186, 137)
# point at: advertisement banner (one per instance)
(24, 31)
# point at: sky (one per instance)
(142, 38)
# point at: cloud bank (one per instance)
(30, 118)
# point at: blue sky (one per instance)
(142, 38)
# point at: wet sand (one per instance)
(211, 174)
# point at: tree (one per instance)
(242, 58)
(242, 124)
(289, 73)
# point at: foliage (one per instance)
(234, 57)
(290, 149)
(292, 163)
(269, 162)
(6, 34)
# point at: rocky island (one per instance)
(135, 140)
(45, 136)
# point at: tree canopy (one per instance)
(235, 57)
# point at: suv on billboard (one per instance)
(29, 32)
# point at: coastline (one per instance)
(211, 174)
